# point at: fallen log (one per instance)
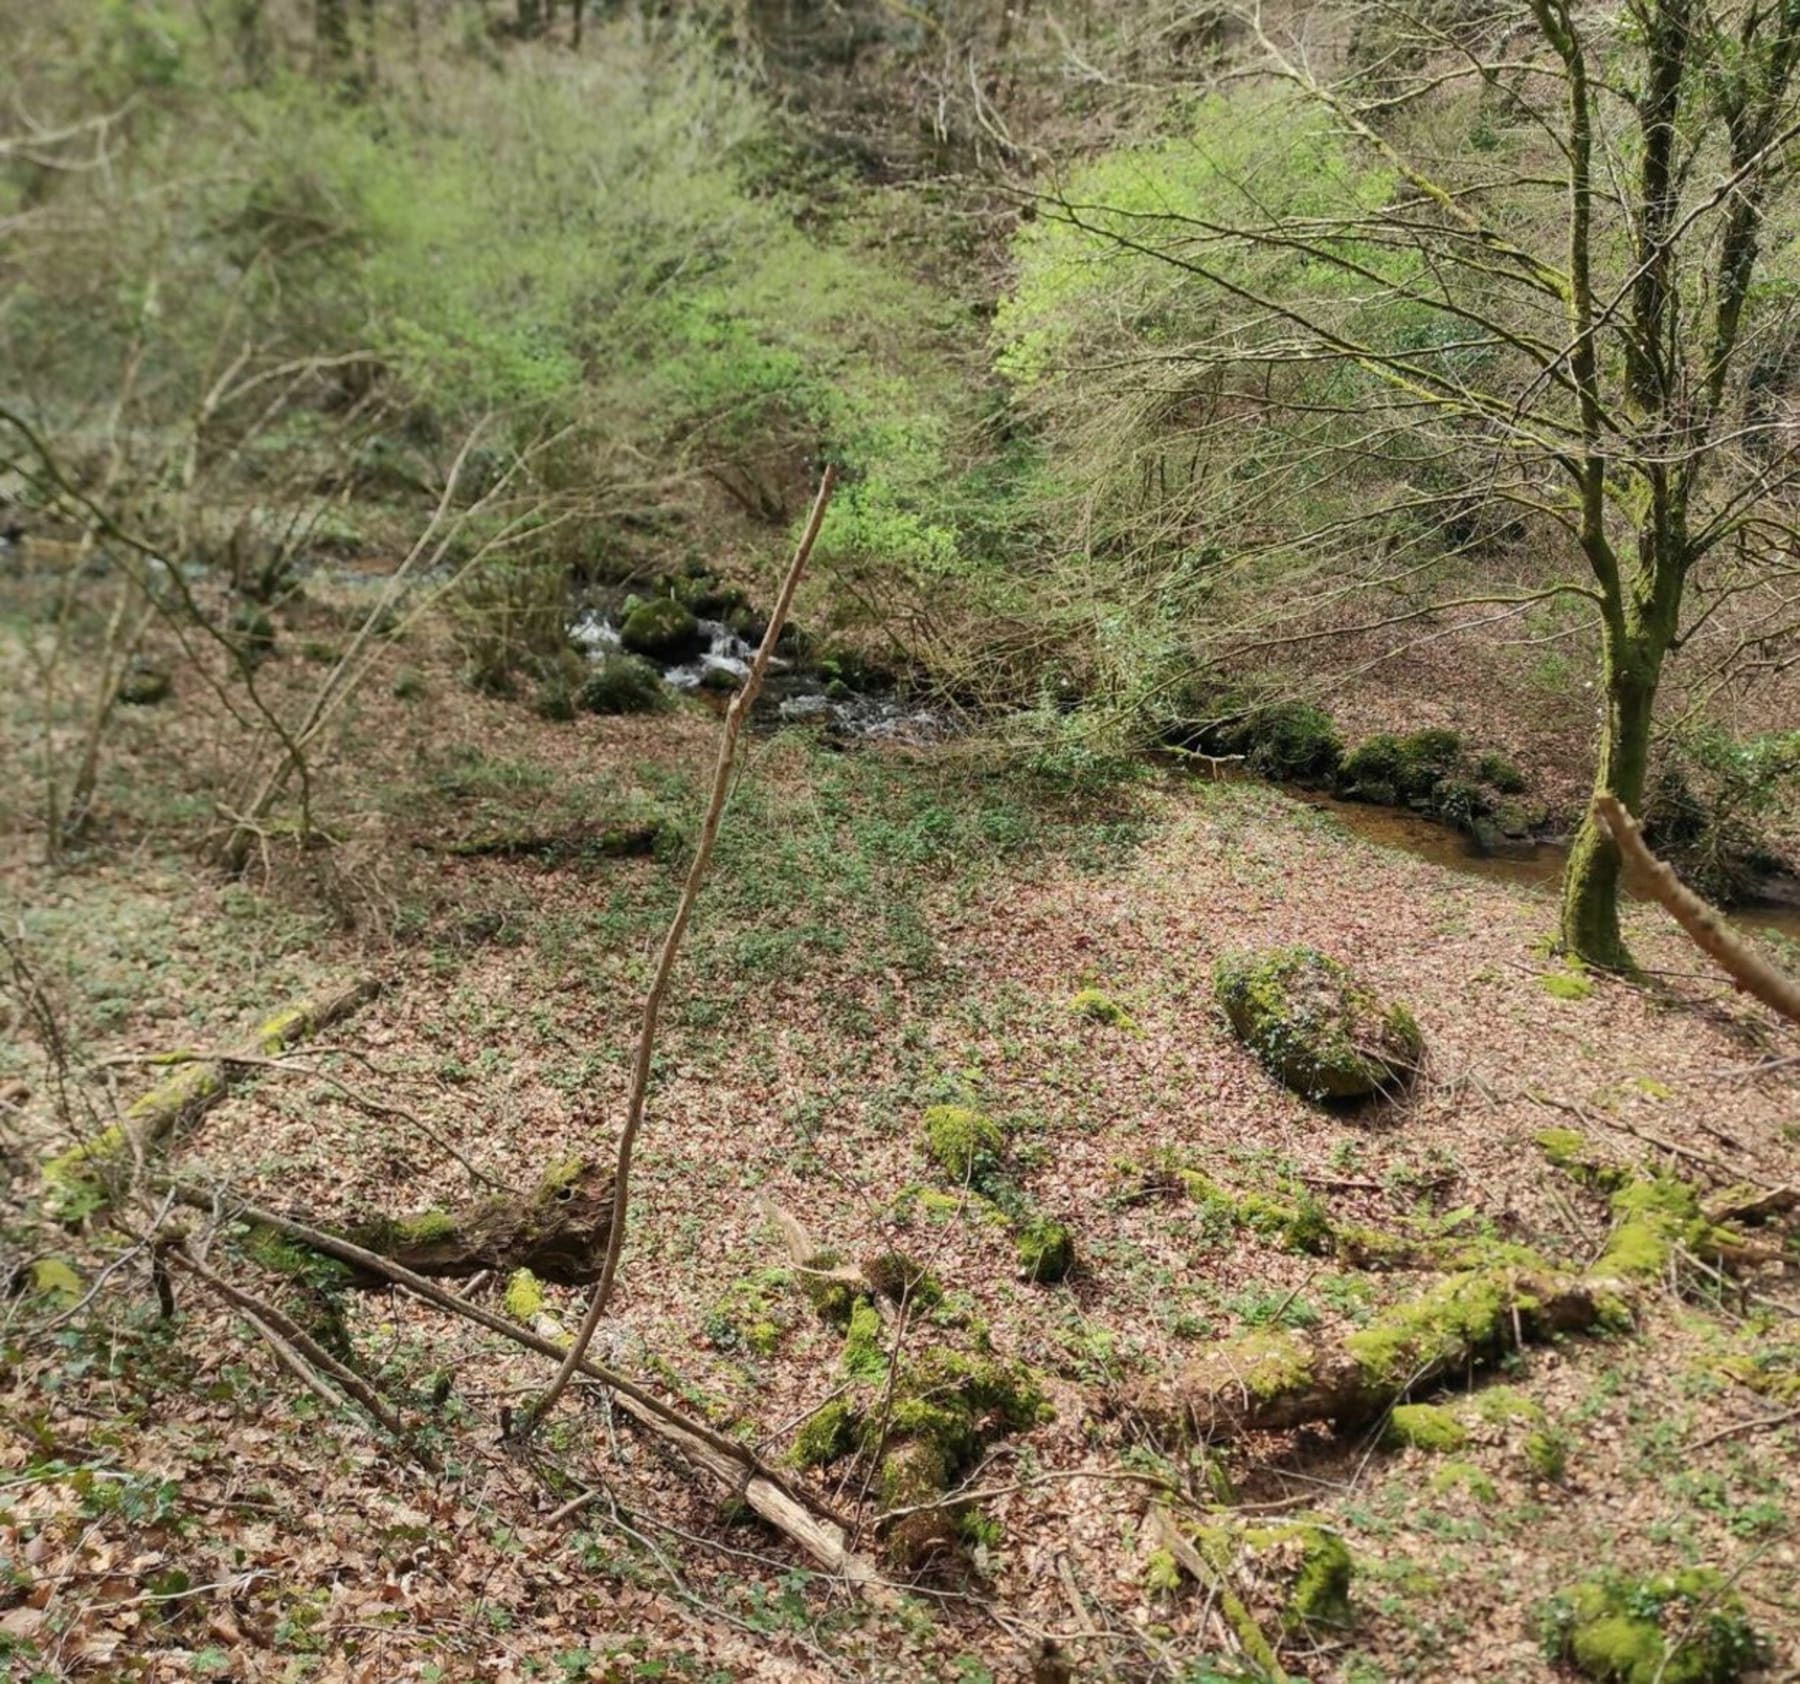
(1705, 927)
(803, 1519)
(88, 1176)
(558, 1231)
(1270, 1381)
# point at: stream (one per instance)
(794, 695)
(1535, 865)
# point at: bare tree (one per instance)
(1561, 320)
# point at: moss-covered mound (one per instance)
(964, 1143)
(920, 1435)
(663, 629)
(1315, 1027)
(622, 684)
(1676, 1628)
(1101, 1008)
(1426, 1426)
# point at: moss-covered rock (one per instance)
(1426, 1426)
(1464, 1476)
(1320, 1600)
(663, 629)
(1676, 1628)
(1315, 1027)
(524, 1296)
(144, 686)
(828, 1434)
(965, 1144)
(1046, 1250)
(1546, 1453)
(1499, 773)
(1091, 1003)
(865, 1342)
(622, 684)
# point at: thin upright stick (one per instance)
(1708, 931)
(735, 715)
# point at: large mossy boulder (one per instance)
(1677, 1628)
(1315, 1027)
(663, 629)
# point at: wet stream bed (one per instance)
(1531, 865)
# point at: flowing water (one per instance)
(791, 694)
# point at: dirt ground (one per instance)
(885, 932)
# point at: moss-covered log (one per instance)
(558, 1231)
(1272, 1381)
(85, 1178)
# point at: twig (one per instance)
(665, 963)
(1756, 1426)
(801, 1516)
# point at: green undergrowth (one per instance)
(1687, 1627)
(971, 1150)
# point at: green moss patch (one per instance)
(524, 1296)
(1676, 1628)
(1464, 1476)
(1046, 1250)
(964, 1143)
(1101, 1008)
(1655, 1217)
(1426, 1426)
(1315, 1027)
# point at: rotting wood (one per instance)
(802, 1518)
(557, 1231)
(1703, 923)
(1271, 1381)
(84, 1178)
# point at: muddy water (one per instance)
(1535, 865)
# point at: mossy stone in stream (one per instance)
(663, 629)
(1315, 1027)
(1687, 1627)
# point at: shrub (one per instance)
(623, 684)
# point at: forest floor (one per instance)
(884, 931)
